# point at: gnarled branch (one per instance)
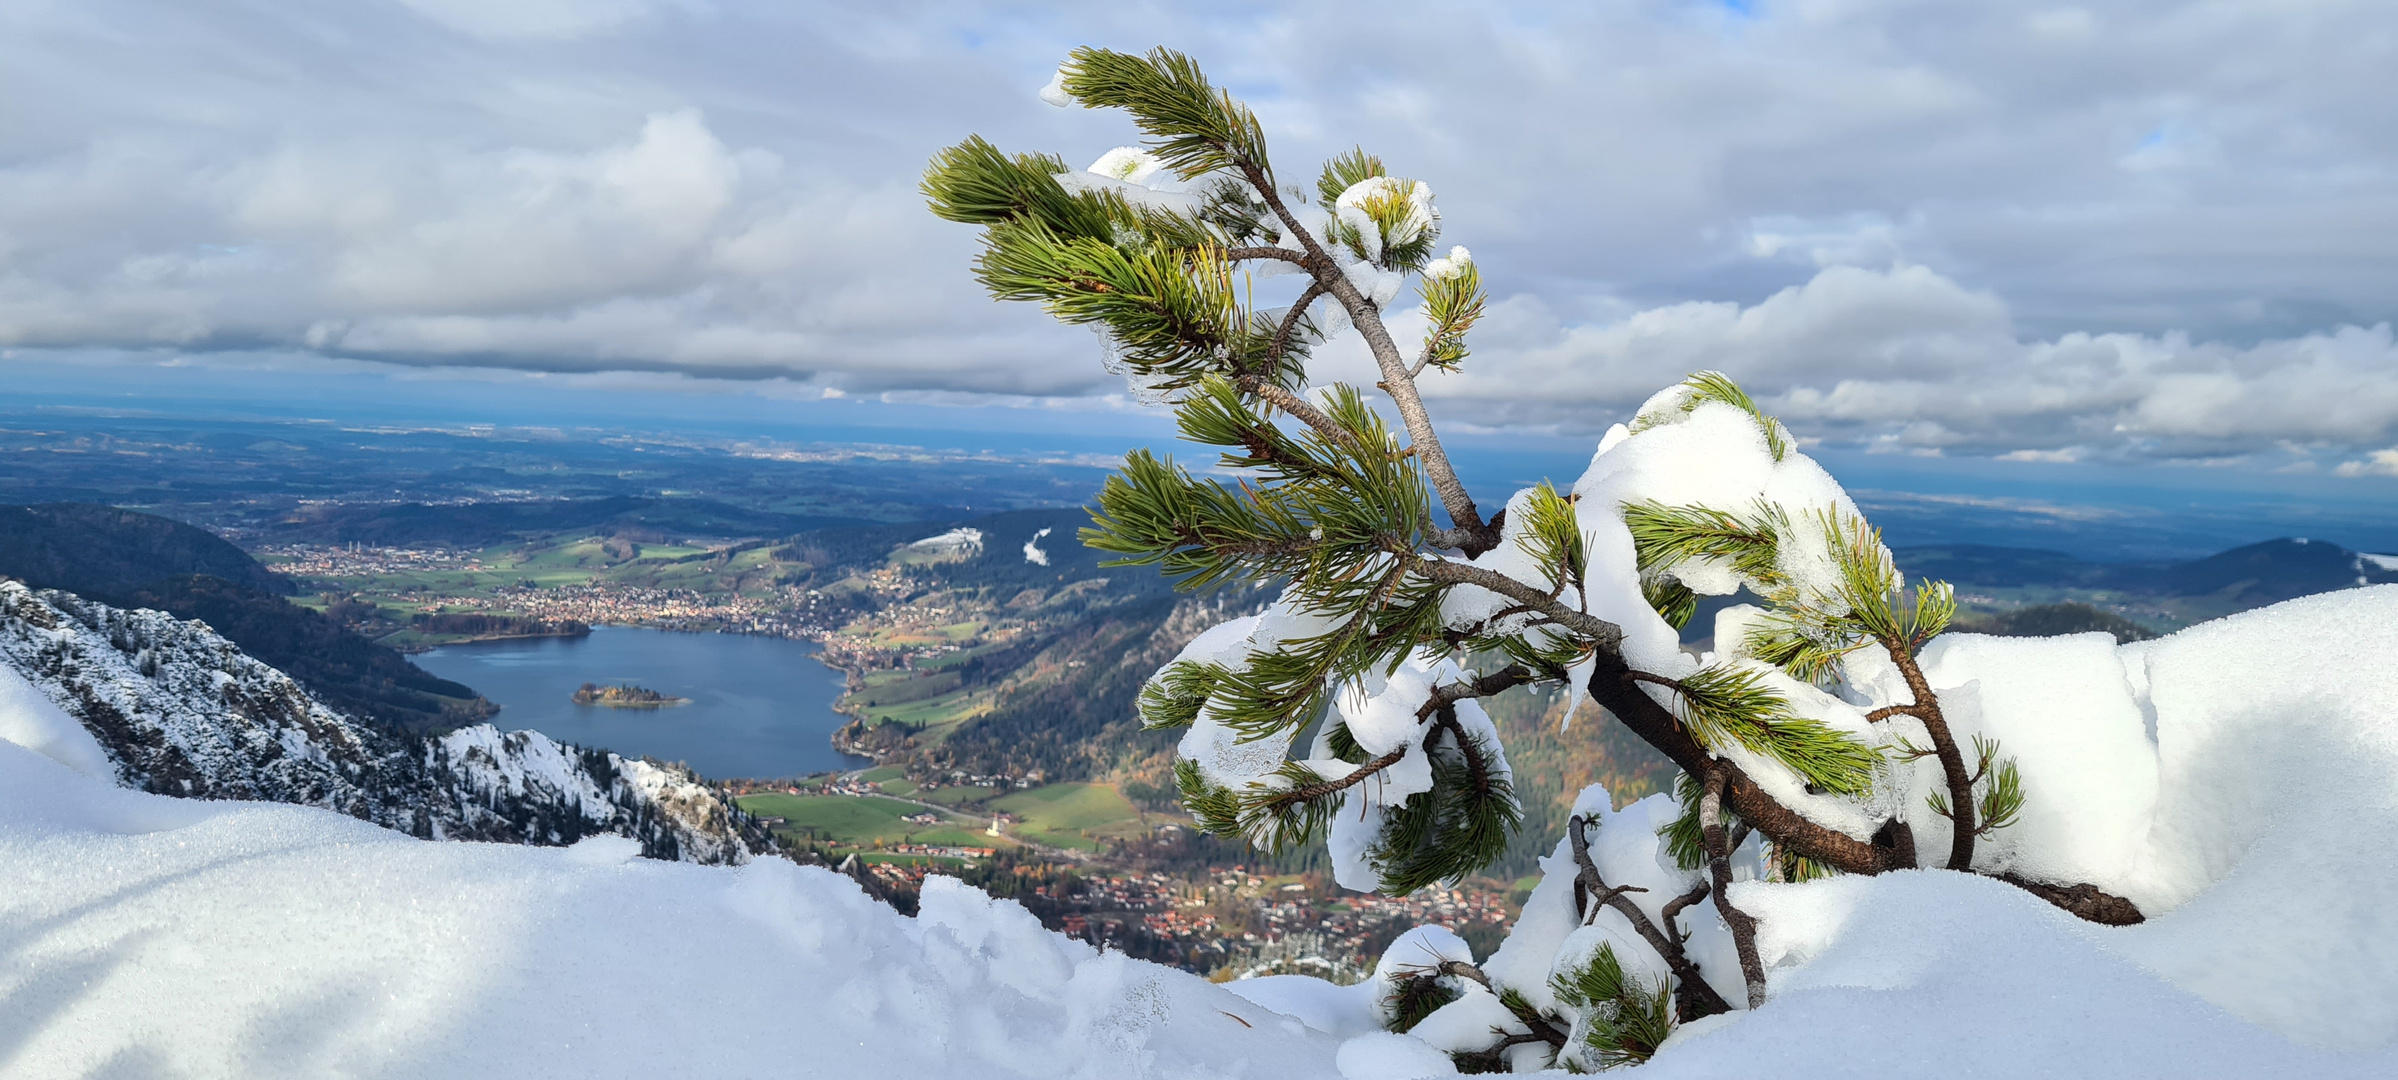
(1693, 997)
(1613, 687)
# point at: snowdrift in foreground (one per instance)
(146, 935)
(155, 936)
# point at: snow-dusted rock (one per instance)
(176, 709)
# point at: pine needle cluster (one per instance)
(1619, 1020)
(1338, 516)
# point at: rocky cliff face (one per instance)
(182, 711)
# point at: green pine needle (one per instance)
(1344, 172)
(1666, 536)
(1452, 305)
(1715, 386)
(1729, 702)
(1194, 128)
(1674, 601)
(975, 184)
(1624, 1021)
(1552, 535)
(2001, 799)
(1411, 997)
(1682, 835)
(1451, 831)
(1214, 807)
(1174, 697)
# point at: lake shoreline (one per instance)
(757, 706)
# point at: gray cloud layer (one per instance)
(2123, 230)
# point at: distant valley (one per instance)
(990, 661)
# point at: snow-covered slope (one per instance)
(150, 936)
(178, 710)
(156, 936)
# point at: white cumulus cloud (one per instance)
(2105, 230)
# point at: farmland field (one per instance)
(857, 820)
(1073, 815)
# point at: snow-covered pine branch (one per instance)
(1812, 740)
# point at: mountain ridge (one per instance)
(127, 558)
(180, 710)
(2251, 575)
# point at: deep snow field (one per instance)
(2244, 792)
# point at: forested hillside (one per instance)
(131, 559)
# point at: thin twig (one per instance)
(1441, 708)
(1603, 633)
(1312, 792)
(1674, 907)
(1480, 686)
(1290, 320)
(1476, 765)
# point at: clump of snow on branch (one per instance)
(1055, 91)
(1449, 265)
(1224, 757)
(1356, 208)
(1136, 176)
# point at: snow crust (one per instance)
(173, 937)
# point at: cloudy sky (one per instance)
(2125, 232)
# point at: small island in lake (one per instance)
(625, 697)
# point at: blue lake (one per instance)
(760, 707)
